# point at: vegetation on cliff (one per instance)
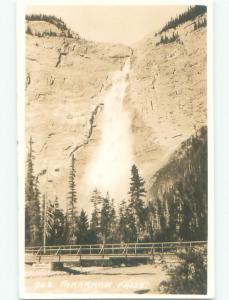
(200, 23)
(58, 22)
(190, 14)
(168, 40)
(179, 193)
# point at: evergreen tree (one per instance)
(160, 234)
(151, 221)
(126, 225)
(47, 220)
(108, 220)
(105, 218)
(113, 237)
(69, 34)
(57, 230)
(137, 194)
(181, 201)
(94, 228)
(94, 224)
(173, 207)
(58, 22)
(32, 205)
(29, 31)
(82, 232)
(167, 40)
(96, 200)
(122, 224)
(132, 229)
(190, 14)
(200, 24)
(71, 215)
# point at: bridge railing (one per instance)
(123, 249)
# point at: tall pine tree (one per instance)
(113, 236)
(137, 194)
(126, 225)
(82, 232)
(57, 230)
(96, 200)
(105, 218)
(108, 221)
(71, 215)
(47, 217)
(32, 204)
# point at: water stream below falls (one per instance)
(109, 169)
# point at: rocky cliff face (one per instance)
(167, 93)
(66, 83)
(66, 80)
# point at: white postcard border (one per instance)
(21, 8)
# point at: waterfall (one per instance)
(109, 169)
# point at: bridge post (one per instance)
(80, 257)
(126, 254)
(56, 266)
(152, 254)
(103, 255)
(162, 252)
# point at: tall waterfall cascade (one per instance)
(109, 169)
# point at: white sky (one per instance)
(117, 24)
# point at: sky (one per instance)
(115, 24)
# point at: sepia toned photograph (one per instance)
(115, 145)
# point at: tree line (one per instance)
(58, 22)
(176, 208)
(166, 40)
(47, 33)
(190, 14)
(200, 23)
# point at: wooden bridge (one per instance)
(95, 252)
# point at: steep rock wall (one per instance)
(167, 93)
(66, 80)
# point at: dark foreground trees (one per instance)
(32, 202)
(82, 228)
(179, 204)
(176, 209)
(71, 213)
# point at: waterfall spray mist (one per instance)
(109, 169)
